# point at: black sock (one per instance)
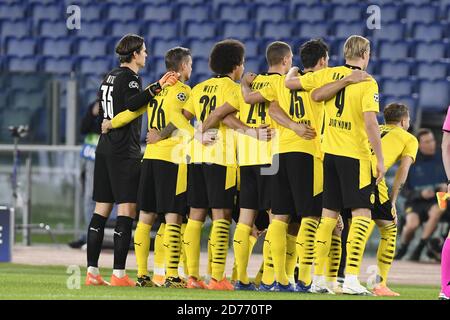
(421, 245)
(122, 239)
(95, 234)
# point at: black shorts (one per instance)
(116, 179)
(382, 211)
(420, 207)
(255, 188)
(162, 187)
(296, 188)
(347, 183)
(211, 186)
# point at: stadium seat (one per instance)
(347, 13)
(158, 66)
(193, 12)
(22, 64)
(120, 28)
(239, 30)
(428, 31)
(19, 116)
(90, 29)
(58, 65)
(17, 28)
(252, 47)
(393, 50)
(160, 46)
(274, 13)
(56, 47)
(49, 12)
(409, 100)
(96, 47)
(201, 30)
(434, 95)
(201, 48)
(398, 86)
(196, 78)
(92, 12)
(390, 31)
(276, 29)
(240, 12)
(151, 12)
(255, 65)
(432, 70)
(295, 3)
(25, 46)
(27, 82)
(162, 30)
(125, 12)
(425, 13)
(97, 66)
(31, 100)
(312, 13)
(311, 30)
(12, 11)
(53, 29)
(201, 65)
(346, 29)
(431, 51)
(394, 69)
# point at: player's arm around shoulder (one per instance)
(250, 96)
(122, 119)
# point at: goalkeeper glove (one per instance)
(169, 79)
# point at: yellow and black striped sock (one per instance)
(268, 275)
(322, 244)
(220, 234)
(334, 259)
(291, 257)
(182, 266)
(305, 248)
(241, 244)
(278, 231)
(142, 247)
(159, 251)
(191, 243)
(172, 245)
(356, 244)
(386, 251)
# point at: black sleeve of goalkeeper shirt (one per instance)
(133, 97)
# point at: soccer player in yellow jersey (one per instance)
(163, 181)
(212, 169)
(350, 124)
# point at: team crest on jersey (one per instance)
(133, 85)
(181, 96)
(376, 97)
(372, 198)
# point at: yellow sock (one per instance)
(252, 242)
(322, 244)
(142, 247)
(209, 264)
(191, 242)
(182, 266)
(268, 276)
(159, 251)
(386, 251)
(291, 257)
(259, 275)
(278, 250)
(356, 243)
(241, 245)
(305, 248)
(172, 244)
(219, 244)
(371, 227)
(334, 259)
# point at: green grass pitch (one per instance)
(19, 282)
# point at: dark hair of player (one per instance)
(276, 51)
(311, 51)
(395, 112)
(175, 57)
(126, 46)
(226, 55)
(423, 132)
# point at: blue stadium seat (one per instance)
(25, 46)
(274, 13)
(126, 12)
(90, 29)
(190, 2)
(58, 65)
(12, 11)
(164, 30)
(240, 12)
(428, 31)
(27, 81)
(17, 28)
(313, 13)
(60, 47)
(96, 47)
(347, 12)
(346, 29)
(19, 116)
(311, 30)
(410, 101)
(252, 47)
(25, 64)
(49, 12)
(239, 30)
(200, 65)
(120, 28)
(417, 2)
(54, 29)
(218, 3)
(431, 51)
(424, 13)
(394, 69)
(97, 66)
(434, 95)
(31, 100)
(151, 12)
(390, 31)
(432, 70)
(254, 65)
(201, 48)
(194, 12)
(92, 12)
(201, 30)
(276, 29)
(398, 86)
(158, 66)
(160, 46)
(295, 3)
(393, 50)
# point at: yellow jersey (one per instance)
(204, 98)
(344, 131)
(299, 106)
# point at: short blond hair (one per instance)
(355, 46)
